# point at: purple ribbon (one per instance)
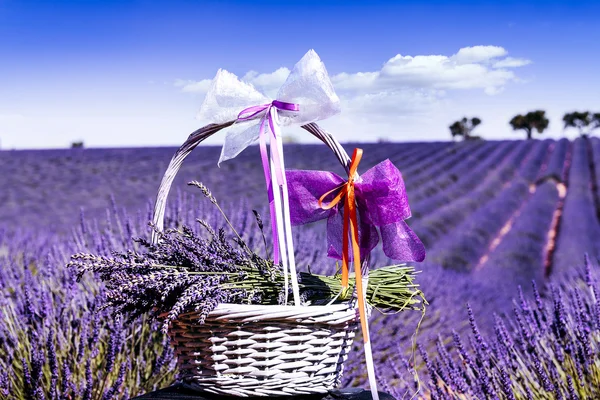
(248, 114)
(382, 208)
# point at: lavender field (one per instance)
(494, 216)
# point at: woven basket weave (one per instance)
(254, 350)
(260, 350)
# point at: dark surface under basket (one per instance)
(180, 392)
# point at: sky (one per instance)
(135, 73)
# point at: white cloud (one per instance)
(407, 91)
(390, 103)
(359, 81)
(478, 54)
(467, 69)
(193, 86)
(510, 62)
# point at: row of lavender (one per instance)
(579, 229)
(467, 215)
(533, 216)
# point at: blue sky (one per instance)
(134, 73)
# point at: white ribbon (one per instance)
(307, 86)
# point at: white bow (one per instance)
(308, 85)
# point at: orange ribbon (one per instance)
(346, 192)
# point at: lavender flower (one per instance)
(183, 271)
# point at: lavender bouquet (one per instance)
(185, 271)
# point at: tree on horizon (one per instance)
(532, 120)
(579, 120)
(464, 127)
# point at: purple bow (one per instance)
(381, 201)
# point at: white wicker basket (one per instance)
(254, 350)
(260, 350)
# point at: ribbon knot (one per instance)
(255, 110)
(381, 207)
(270, 116)
(346, 192)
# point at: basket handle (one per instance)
(193, 140)
(198, 136)
(331, 142)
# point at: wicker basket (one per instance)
(253, 350)
(260, 350)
